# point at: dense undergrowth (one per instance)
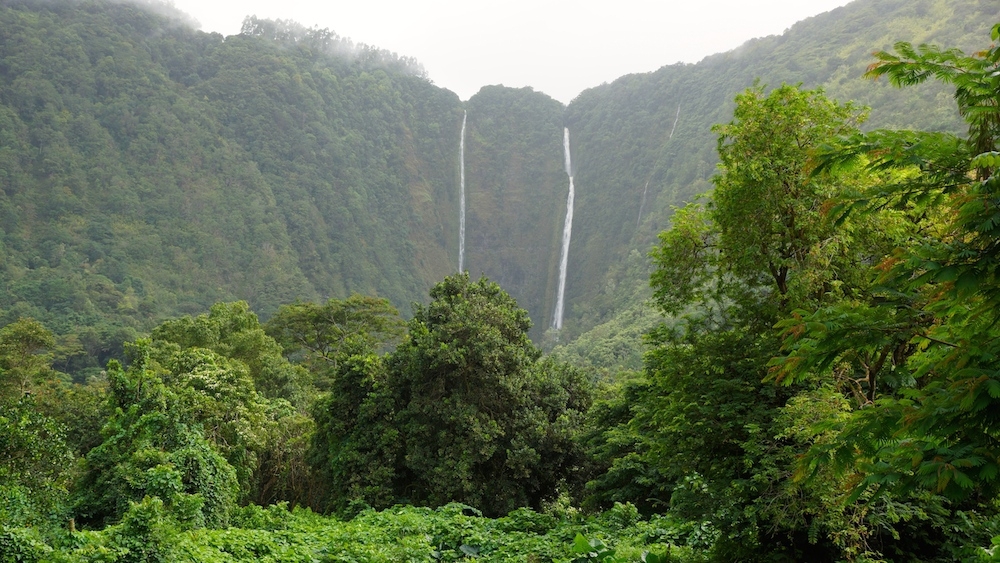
(404, 533)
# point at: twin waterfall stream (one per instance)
(461, 197)
(557, 319)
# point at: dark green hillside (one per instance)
(360, 159)
(150, 170)
(121, 201)
(516, 190)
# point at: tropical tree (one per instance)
(35, 461)
(233, 331)
(462, 410)
(483, 421)
(718, 440)
(356, 449)
(23, 359)
(732, 266)
(189, 402)
(321, 336)
(938, 294)
(154, 445)
(35, 466)
(766, 206)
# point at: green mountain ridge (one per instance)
(646, 141)
(150, 170)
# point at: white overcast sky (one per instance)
(557, 47)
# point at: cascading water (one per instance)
(567, 231)
(642, 205)
(461, 196)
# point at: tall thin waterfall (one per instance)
(642, 205)
(567, 232)
(461, 197)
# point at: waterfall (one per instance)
(567, 231)
(461, 196)
(643, 204)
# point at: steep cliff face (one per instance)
(516, 194)
(644, 143)
(360, 159)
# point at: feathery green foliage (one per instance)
(937, 297)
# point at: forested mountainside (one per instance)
(150, 170)
(644, 143)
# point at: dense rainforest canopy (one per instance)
(818, 322)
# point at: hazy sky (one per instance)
(557, 47)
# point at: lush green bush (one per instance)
(153, 447)
(462, 410)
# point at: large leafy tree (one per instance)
(938, 293)
(718, 440)
(190, 423)
(356, 449)
(35, 461)
(252, 401)
(232, 330)
(337, 342)
(24, 362)
(485, 422)
(323, 335)
(35, 466)
(759, 247)
(154, 445)
(463, 410)
(766, 206)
